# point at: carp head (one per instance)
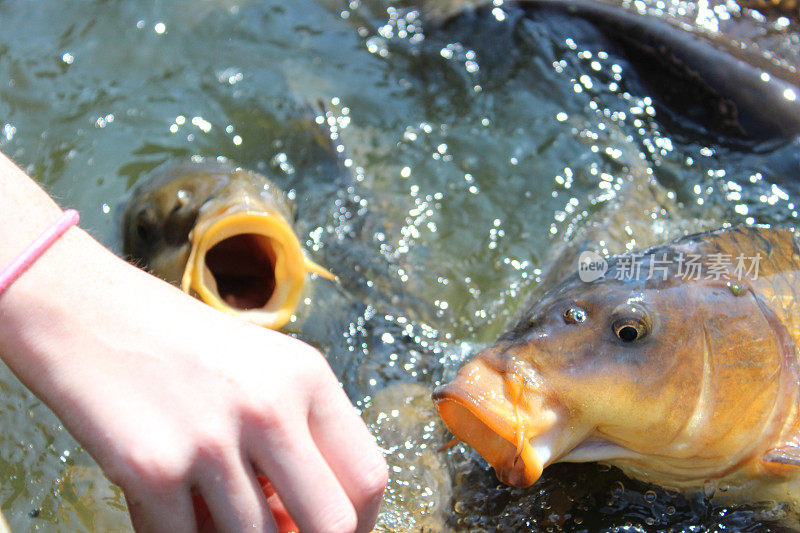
(222, 233)
(675, 381)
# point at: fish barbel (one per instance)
(222, 233)
(678, 365)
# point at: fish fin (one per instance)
(326, 135)
(321, 130)
(314, 120)
(313, 267)
(785, 455)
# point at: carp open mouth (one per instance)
(485, 408)
(478, 412)
(248, 264)
(493, 438)
(518, 454)
(243, 267)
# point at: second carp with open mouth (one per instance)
(680, 381)
(222, 233)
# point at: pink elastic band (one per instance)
(33, 252)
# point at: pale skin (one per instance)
(172, 397)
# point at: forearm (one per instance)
(49, 312)
(26, 210)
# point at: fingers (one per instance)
(351, 453)
(301, 476)
(170, 511)
(235, 499)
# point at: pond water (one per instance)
(465, 148)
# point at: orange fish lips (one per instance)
(491, 412)
(248, 263)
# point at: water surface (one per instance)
(466, 150)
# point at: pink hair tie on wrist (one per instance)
(33, 252)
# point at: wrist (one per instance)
(37, 310)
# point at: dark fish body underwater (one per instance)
(222, 233)
(729, 94)
(720, 87)
(679, 365)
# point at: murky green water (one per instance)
(466, 148)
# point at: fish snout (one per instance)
(506, 419)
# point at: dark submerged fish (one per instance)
(678, 381)
(710, 85)
(222, 233)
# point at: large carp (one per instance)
(679, 366)
(222, 233)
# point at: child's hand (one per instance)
(173, 398)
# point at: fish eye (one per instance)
(629, 330)
(632, 324)
(574, 315)
(145, 225)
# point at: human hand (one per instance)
(170, 397)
